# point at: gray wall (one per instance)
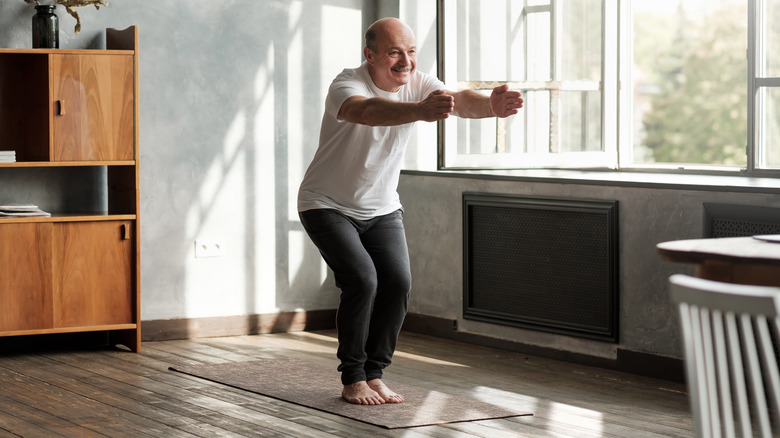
(648, 214)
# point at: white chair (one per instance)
(730, 360)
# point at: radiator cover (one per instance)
(731, 220)
(543, 264)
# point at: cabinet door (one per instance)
(92, 102)
(92, 265)
(25, 276)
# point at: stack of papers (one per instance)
(7, 156)
(21, 210)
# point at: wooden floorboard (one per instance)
(98, 392)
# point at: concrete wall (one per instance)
(648, 214)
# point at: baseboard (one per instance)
(643, 364)
(188, 328)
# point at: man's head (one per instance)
(391, 53)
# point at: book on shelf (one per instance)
(7, 156)
(22, 210)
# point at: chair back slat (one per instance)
(724, 379)
(753, 371)
(770, 357)
(738, 374)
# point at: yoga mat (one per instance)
(312, 385)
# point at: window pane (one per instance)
(538, 135)
(772, 39)
(481, 134)
(539, 55)
(480, 40)
(581, 40)
(689, 81)
(769, 148)
(580, 119)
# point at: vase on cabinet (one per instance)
(45, 28)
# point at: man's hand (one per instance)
(504, 102)
(437, 106)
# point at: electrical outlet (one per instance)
(209, 248)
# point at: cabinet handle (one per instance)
(125, 232)
(60, 107)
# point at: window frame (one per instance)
(606, 158)
(616, 154)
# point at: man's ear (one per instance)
(368, 55)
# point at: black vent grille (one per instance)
(544, 264)
(738, 228)
(727, 220)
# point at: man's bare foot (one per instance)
(387, 395)
(359, 393)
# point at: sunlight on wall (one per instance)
(230, 208)
(221, 190)
(340, 47)
(246, 191)
(421, 17)
(264, 228)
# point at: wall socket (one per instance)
(209, 248)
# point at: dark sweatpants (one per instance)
(370, 261)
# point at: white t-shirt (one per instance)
(356, 167)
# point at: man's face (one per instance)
(394, 61)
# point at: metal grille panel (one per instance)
(544, 264)
(741, 228)
(727, 220)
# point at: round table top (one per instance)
(761, 249)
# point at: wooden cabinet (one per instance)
(78, 270)
(25, 277)
(92, 100)
(82, 250)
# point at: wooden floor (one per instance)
(116, 393)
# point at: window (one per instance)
(554, 53)
(690, 98)
(688, 77)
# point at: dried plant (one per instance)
(72, 5)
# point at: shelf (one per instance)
(83, 217)
(89, 328)
(67, 51)
(66, 163)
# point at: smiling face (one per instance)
(393, 57)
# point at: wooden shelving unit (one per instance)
(74, 271)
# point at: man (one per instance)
(348, 201)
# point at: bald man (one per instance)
(348, 201)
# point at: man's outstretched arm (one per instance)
(377, 111)
(502, 102)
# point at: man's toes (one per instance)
(395, 398)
